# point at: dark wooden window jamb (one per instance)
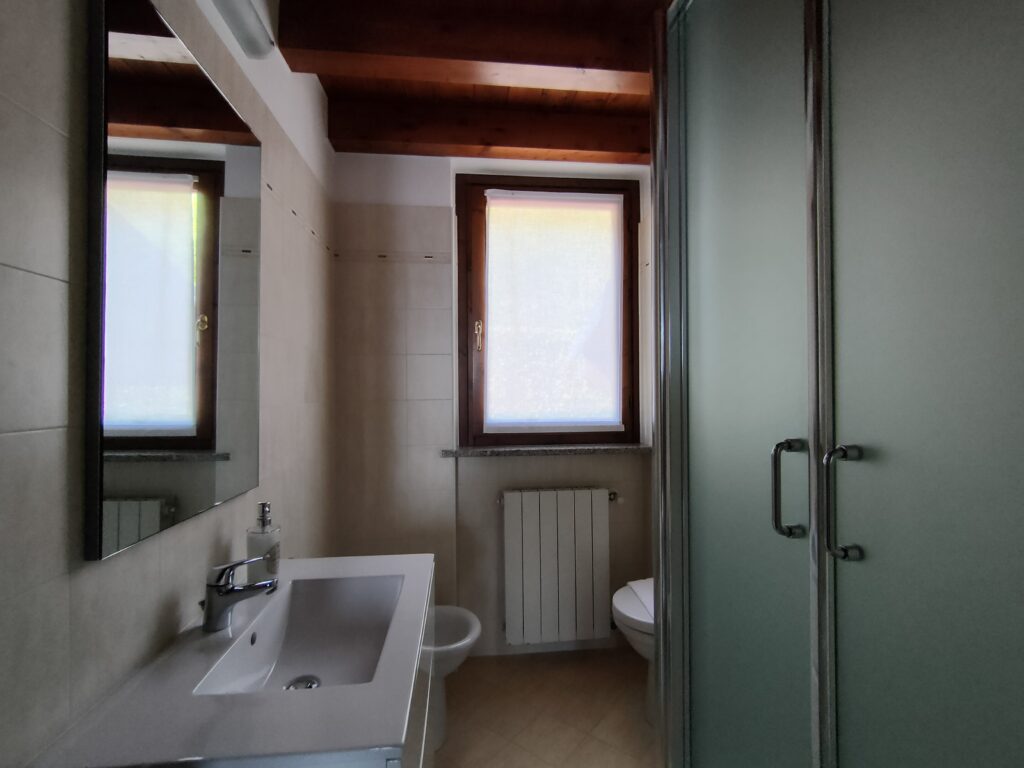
(470, 206)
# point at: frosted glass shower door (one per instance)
(928, 195)
(750, 594)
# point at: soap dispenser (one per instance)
(263, 539)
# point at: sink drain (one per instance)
(303, 683)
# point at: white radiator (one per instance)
(127, 521)
(556, 565)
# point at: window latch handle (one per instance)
(478, 329)
(202, 323)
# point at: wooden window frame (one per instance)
(209, 176)
(470, 208)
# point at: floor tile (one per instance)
(625, 727)
(593, 753)
(514, 756)
(469, 747)
(583, 708)
(550, 739)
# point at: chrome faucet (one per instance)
(222, 593)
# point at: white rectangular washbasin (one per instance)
(316, 633)
(356, 624)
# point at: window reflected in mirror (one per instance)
(160, 321)
(176, 356)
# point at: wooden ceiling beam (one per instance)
(371, 66)
(429, 128)
(169, 101)
(134, 18)
(312, 30)
(165, 133)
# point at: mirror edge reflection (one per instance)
(95, 180)
(95, 277)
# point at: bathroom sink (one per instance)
(315, 633)
(332, 668)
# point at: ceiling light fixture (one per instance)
(247, 26)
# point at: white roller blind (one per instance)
(149, 366)
(553, 323)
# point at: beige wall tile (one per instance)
(119, 617)
(429, 331)
(377, 284)
(369, 330)
(34, 351)
(396, 230)
(481, 580)
(37, 506)
(431, 423)
(429, 377)
(34, 656)
(428, 286)
(207, 538)
(40, 185)
(374, 377)
(426, 486)
(42, 57)
(378, 426)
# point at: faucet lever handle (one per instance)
(224, 575)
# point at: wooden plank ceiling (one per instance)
(171, 101)
(155, 89)
(529, 79)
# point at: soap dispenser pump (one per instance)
(263, 539)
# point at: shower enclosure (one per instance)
(843, 287)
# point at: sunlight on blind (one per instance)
(149, 367)
(553, 322)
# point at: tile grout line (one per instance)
(34, 116)
(34, 430)
(65, 281)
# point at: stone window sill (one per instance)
(542, 450)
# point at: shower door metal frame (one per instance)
(671, 399)
(820, 368)
(671, 489)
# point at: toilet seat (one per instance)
(634, 608)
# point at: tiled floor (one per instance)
(559, 710)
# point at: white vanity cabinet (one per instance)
(328, 670)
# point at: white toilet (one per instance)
(456, 631)
(633, 609)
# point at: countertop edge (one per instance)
(64, 750)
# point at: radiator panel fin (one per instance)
(556, 565)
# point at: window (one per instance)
(159, 324)
(547, 310)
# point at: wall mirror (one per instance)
(172, 411)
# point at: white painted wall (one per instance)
(411, 180)
(391, 179)
(297, 101)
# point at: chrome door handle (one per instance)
(838, 551)
(789, 531)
